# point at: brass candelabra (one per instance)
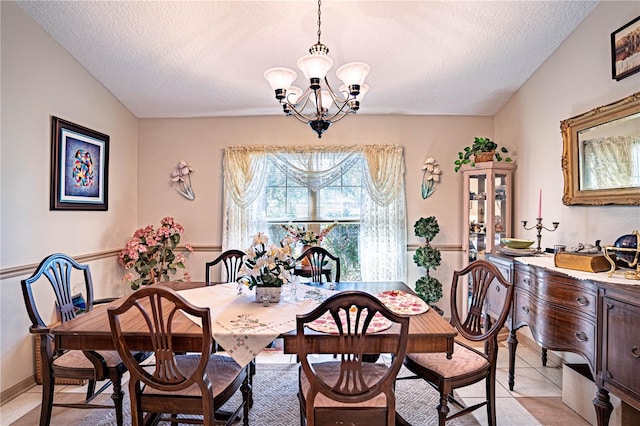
(539, 227)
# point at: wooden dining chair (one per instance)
(232, 261)
(92, 366)
(192, 383)
(469, 363)
(317, 259)
(349, 390)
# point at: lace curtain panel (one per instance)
(383, 218)
(612, 162)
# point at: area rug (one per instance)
(276, 403)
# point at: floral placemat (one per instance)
(326, 323)
(402, 302)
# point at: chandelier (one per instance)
(319, 107)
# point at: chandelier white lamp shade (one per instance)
(326, 106)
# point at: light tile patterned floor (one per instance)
(539, 386)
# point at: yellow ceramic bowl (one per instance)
(515, 243)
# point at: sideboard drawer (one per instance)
(496, 298)
(569, 332)
(580, 298)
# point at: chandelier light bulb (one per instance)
(315, 66)
(293, 94)
(353, 73)
(325, 99)
(280, 78)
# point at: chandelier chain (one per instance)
(319, 13)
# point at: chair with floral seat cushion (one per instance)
(60, 270)
(317, 264)
(196, 383)
(476, 361)
(232, 261)
(349, 390)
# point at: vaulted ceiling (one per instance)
(207, 58)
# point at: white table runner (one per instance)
(242, 326)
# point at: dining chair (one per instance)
(232, 261)
(317, 258)
(93, 366)
(475, 361)
(349, 390)
(178, 383)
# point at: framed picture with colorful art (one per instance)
(79, 167)
(625, 50)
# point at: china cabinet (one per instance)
(487, 191)
(486, 215)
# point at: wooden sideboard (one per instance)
(598, 320)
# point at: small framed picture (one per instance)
(79, 167)
(625, 50)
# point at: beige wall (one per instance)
(200, 142)
(40, 79)
(574, 80)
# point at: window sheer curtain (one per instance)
(383, 214)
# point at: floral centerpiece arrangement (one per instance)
(306, 236)
(151, 253)
(267, 265)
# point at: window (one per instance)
(361, 187)
(287, 201)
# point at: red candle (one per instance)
(540, 204)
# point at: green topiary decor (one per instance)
(428, 288)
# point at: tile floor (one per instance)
(536, 400)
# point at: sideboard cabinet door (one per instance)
(621, 348)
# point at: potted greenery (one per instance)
(482, 150)
(428, 288)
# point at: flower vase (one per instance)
(273, 293)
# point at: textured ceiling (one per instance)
(207, 58)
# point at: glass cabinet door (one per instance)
(477, 213)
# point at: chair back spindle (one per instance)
(318, 258)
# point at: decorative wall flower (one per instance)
(430, 176)
(182, 177)
(151, 254)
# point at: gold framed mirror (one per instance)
(601, 155)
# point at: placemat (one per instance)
(401, 302)
(326, 323)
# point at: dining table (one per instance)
(244, 327)
(428, 331)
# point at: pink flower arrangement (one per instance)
(151, 254)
